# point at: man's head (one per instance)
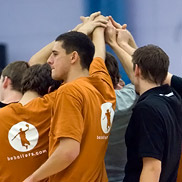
(70, 48)
(113, 69)
(152, 62)
(38, 78)
(11, 77)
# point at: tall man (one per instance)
(79, 132)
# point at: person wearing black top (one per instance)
(153, 136)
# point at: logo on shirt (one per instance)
(23, 136)
(107, 117)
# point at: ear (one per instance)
(137, 71)
(6, 82)
(74, 57)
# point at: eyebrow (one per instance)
(54, 51)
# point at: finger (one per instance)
(102, 21)
(124, 26)
(94, 15)
(115, 24)
(99, 24)
(83, 18)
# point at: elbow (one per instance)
(71, 155)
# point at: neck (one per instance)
(75, 74)
(11, 96)
(145, 85)
(28, 96)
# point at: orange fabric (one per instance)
(179, 177)
(19, 125)
(78, 115)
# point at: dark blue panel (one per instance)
(2, 56)
(115, 8)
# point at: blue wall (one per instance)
(27, 26)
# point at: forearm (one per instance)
(42, 56)
(66, 152)
(99, 42)
(125, 59)
(126, 47)
(151, 170)
(150, 176)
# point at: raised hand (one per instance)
(117, 25)
(110, 34)
(91, 22)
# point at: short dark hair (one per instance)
(15, 71)
(38, 78)
(79, 42)
(113, 68)
(153, 62)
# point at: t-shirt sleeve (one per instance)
(151, 134)
(103, 82)
(97, 67)
(176, 83)
(68, 119)
(125, 98)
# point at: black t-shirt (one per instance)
(2, 105)
(176, 83)
(154, 131)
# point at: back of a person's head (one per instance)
(14, 71)
(113, 68)
(153, 62)
(79, 42)
(38, 78)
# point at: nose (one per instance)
(50, 60)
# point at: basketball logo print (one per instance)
(107, 117)
(23, 136)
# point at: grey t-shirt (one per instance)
(116, 155)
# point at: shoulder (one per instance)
(74, 89)
(9, 110)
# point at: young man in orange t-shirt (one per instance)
(79, 133)
(25, 126)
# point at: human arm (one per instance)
(125, 41)
(175, 82)
(151, 170)
(87, 27)
(130, 40)
(99, 42)
(66, 152)
(42, 56)
(124, 57)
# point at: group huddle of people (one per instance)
(67, 116)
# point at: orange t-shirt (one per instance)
(24, 138)
(84, 110)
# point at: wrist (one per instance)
(122, 44)
(113, 44)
